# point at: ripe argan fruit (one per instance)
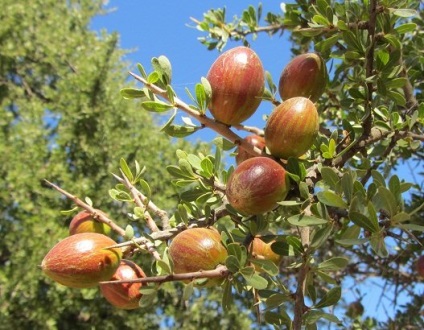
(84, 222)
(292, 128)
(263, 251)
(197, 249)
(256, 185)
(124, 295)
(237, 80)
(305, 75)
(420, 266)
(81, 260)
(255, 140)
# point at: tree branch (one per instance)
(220, 271)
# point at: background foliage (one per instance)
(63, 119)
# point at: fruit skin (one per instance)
(255, 140)
(420, 266)
(80, 260)
(197, 249)
(237, 80)
(256, 185)
(292, 128)
(84, 222)
(305, 75)
(124, 295)
(262, 250)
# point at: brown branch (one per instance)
(137, 200)
(220, 128)
(100, 215)
(220, 271)
(299, 305)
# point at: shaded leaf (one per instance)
(331, 199)
(330, 298)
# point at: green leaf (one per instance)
(378, 245)
(384, 200)
(164, 267)
(276, 299)
(331, 199)
(227, 296)
(364, 222)
(321, 236)
(126, 170)
(156, 106)
(278, 319)
(405, 28)
(330, 298)
(207, 167)
(132, 93)
(333, 264)
(403, 12)
(347, 186)
(267, 266)
(188, 291)
(302, 220)
(411, 226)
(256, 281)
(330, 177)
(295, 243)
(238, 251)
(232, 264)
(129, 232)
(312, 317)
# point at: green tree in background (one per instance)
(62, 118)
(345, 219)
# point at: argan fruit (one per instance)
(84, 222)
(197, 249)
(82, 260)
(124, 295)
(256, 141)
(305, 75)
(262, 251)
(237, 81)
(291, 128)
(256, 185)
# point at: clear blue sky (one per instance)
(153, 28)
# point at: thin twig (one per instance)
(100, 215)
(220, 128)
(220, 271)
(137, 200)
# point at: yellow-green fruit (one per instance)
(291, 128)
(262, 251)
(305, 75)
(82, 260)
(237, 80)
(84, 222)
(197, 249)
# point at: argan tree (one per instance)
(320, 204)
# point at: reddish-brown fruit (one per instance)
(255, 140)
(256, 185)
(84, 222)
(420, 266)
(291, 128)
(124, 295)
(263, 251)
(305, 75)
(81, 260)
(197, 249)
(237, 80)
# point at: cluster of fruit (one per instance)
(89, 256)
(237, 80)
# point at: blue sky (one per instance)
(153, 28)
